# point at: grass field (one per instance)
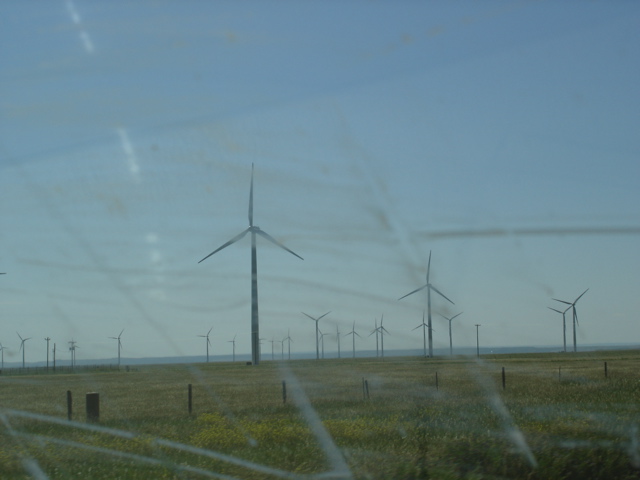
(557, 417)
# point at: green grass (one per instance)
(568, 424)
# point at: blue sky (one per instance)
(495, 134)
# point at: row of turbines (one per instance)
(254, 230)
(427, 327)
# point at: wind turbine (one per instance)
(450, 336)
(208, 342)
(338, 339)
(424, 333)
(255, 230)
(377, 332)
(382, 332)
(22, 340)
(575, 316)
(317, 330)
(234, 346)
(322, 341)
(564, 324)
(354, 333)
(288, 339)
(2, 349)
(429, 287)
(119, 345)
(72, 349)
(48, 339)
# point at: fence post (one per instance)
(559, 372)
(606, 374)
(284, 392)
(93, 407)
(436, 380)
(69, 404)
(366, 387)
(190, 397)
(504, 380)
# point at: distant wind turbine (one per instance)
(424, 333)
(317, 331)
(376, 330)
(234, 347)
(47, 339)
(450, 336)
(208, 342)
(382, 332)
(22, 340)
(338, 339)
(354, 333)
(255, 230)
(322, 341)
(119, 344)
(288, 339)
(72, 349)
(575, 316)
(564, 324)
(429, 287)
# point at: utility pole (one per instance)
(47, 339)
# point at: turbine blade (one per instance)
(576, 300)
(440, 293)
(428, 266)
(315, 320)
(575, 315)
(251, 199)
(233, 240)
(121, 333)
(273, 240)
(324, 315)
(416, 290)
(209, 331)
(422, 324)
(456, 316)
(558, 300)
(556, 310)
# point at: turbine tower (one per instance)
(429, 287)
(208, 342)
(450, 336)
(255, 230)
(564, 325)
(119, 345)
(572, 305)
(2, 349)
(22, 340)
(47, 339)
(354, 333)
(317, 331)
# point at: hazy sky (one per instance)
(502, 136)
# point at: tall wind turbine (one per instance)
(376, 330)
(429, 287)
(354, 333)
(234, 346)
(119, 345)
(575, 316)
(208, 342)
(317, 331)
(255, 230)
(450, 336)
(22, 340)
(564, 325)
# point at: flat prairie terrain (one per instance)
(549, 416)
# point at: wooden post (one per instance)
(366, 387)
(284, 392)
(504, 380)
(606, 374)
(559, 372)
(69, 404)
(436, 380)
(190, 396)
(93, 407)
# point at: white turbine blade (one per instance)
(233, 240)
(251, 199)
(440, 293)
(456, 316)
(556, 310)
(19, 335)
(416, 290)
(575, 315)
(324, 315)
(428, 266)
(121, 332)
(315, 320)
(576, 300)
(209, 331)
(273, 240)
(421, 325)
